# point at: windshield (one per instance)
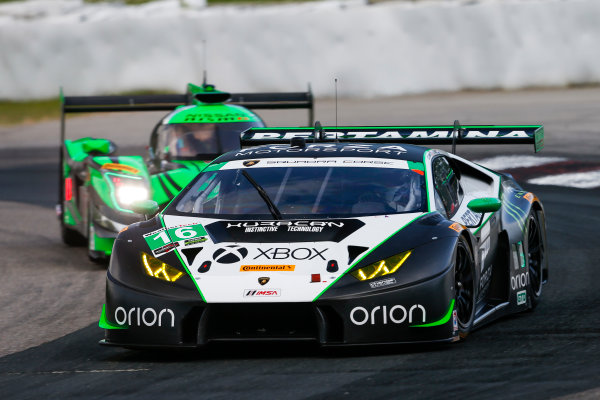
(306, 192)
(178, 141)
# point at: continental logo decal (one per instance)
(247, 268)
(121, 167)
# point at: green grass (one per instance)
(18, 112)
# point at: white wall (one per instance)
(388, 48)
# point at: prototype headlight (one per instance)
(129, 194)
(382, 267)
(127, 189)
(158, 269)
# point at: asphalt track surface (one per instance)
(50, 296)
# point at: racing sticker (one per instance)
(320, 162)
(454, 321)
(382, 283)
(160, 241)
(456, 227)
(470, 218)
(120, 167)
(331, 230)
(262, 293)
(250, 268)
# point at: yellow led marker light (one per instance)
(381, 268)
(158, 269)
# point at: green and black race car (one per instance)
(339, 236)
(98, 188)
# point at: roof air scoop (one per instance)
(207, 94)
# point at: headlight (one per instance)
(381, 268)
(158, 269)
(127, 195)
(127, 189)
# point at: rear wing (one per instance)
(167, 102)
(422, 135)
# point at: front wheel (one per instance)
(464, 287)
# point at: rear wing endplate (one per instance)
(422, 135)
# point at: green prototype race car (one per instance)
(99, 189)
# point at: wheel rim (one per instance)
(464, 286)
(534, 255)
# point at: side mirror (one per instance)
(145, 207)
(484, 205)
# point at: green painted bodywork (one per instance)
(98, 243)
(79, 149)
(162, 187)
(136, 162)
(101, 186)
(68, 217)
(211, 113)
(104, 323)
(215, 167)
(441, 321)
(416, 165)
(485, 205)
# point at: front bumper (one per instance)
(417, 313)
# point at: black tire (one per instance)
(535, 259)
(464, 287)
(69, 236)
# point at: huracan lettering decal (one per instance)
(292, 226)
(148, 317)
(396, 314)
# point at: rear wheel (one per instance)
(535, 258)
(70, 237)
(464, 279)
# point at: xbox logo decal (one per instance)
(230, 254)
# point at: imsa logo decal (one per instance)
(262, 293)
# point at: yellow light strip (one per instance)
(400, 262)
(374, 274)
(362, 275)
(381, 268)
(148, 269)
(164, 272)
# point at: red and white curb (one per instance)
(555, 171)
